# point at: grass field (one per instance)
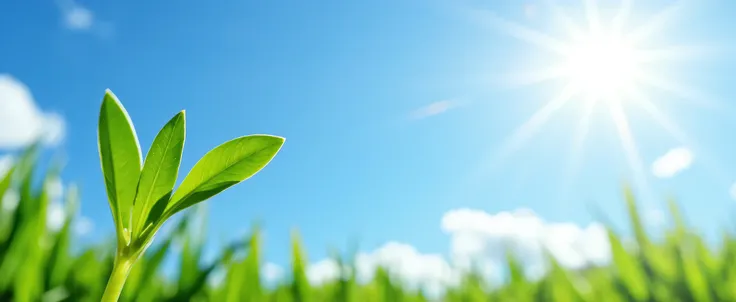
(39, 265)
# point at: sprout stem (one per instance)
(115, 284)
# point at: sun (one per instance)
(601, 66)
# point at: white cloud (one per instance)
(10, 200)
(75, 16)
(403, 261)
(272, 272)
(55, 216)
(78, 18)
(216, 278)
(480, 236)
(6, 162)
(434, 109)
(56, 213)
(655, 217)
(673, 162)
(323, 271)
(83, 226)
(21, 122)
(55, 188)
(481, 239)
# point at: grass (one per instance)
(39, 265)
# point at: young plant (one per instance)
(141, 194)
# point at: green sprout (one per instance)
(141, 193)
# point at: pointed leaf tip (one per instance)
(224, 166)
(159, 173)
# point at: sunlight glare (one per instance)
(601, 66)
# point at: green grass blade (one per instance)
(629, 271)
(6, 216)
(29, 279)
(694, 272)
(253, 289)
(22, 230)
(635, 219)
(59, 257)
(199, 282)
(300, 287)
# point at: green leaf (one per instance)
(628, 269)
(120, 155)
(300, 287)
(252, 269)
(59, 258)
(159, 172)
(635, 219)
(223, 167)
(694, 273)
(564, 288)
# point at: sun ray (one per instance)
(570, 27)
(574, 159)
(657, 23)
(677, 133)
(617, 25)
(601, 60)
(631, 151)
(591, 13)
(680, 91)
(519, 136)
(538, 76)
(539, 118)
(672, 53)
(522, 133)
(642, 101)
(523, 33)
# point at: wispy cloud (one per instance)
(21, 122)
(79, 18)
(530, 10)
(76, 17)
(433, 109)
(672, 163)
(732, 191)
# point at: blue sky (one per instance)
(392, 110)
